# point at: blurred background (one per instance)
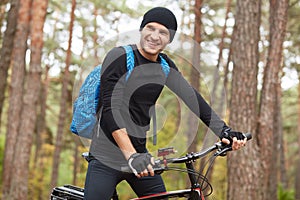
(242, 55)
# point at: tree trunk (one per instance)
(41, 123)
(297, 176)
(268, 112)
(41, 120)
(194, 77)
(225, 92)
(216, 72)
(241, 164)
(279, 140)
(63, 106)
(19, 186)
(96, 37)
(282, 159)
(16, 92)
(7, 48)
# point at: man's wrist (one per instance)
(129, 154)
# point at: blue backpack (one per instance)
(86, 105)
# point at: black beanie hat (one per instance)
(162, 16)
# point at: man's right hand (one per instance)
(141, 164)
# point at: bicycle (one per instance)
(200, 186)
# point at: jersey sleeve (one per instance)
(194, 100)
(111, 89)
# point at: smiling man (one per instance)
(154, 38)
(119, 139)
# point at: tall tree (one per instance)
(297, 177)
(41, 121)
(41, 116)
(63, 102)
(16, 92)
(95, 36)
(221, 48)
(7, 48)
(39, 165)
(195, 76)
(279, 138)
(268, 107)
(19, 183)
(226, 80)
(243, 113)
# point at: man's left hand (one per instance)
(236, 139)
(236, 144)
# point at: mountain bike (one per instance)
(200, 187)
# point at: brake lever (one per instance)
(222, 149)
(158, 168)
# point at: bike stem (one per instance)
(190, 167)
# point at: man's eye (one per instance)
(151, 28)
(163, 33)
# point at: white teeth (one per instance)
(151, 43)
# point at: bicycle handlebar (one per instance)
(248, 136)
(161, 164)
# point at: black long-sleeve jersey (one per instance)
(127, 100)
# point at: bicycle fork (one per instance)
(196, 193)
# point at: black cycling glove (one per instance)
(229, 134)
(138, 162)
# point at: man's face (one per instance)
(154, 38)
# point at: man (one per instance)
(120, 138)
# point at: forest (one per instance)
(243, 56)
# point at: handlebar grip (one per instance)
(248, 136)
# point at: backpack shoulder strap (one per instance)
(129, 60)
(165, 66)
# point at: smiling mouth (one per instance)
(152, 44)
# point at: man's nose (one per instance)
(155, 35)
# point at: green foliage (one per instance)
(285, 194)
(40, 173)
(125, 191)
(219, 178)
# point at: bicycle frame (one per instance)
(194, 193)
(187, 193)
